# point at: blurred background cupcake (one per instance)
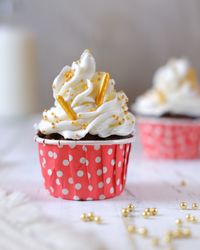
(169, 113)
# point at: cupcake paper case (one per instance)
(83, 170)
(86, 102)
(175, 93)
(170, 138)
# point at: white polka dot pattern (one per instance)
(98, 159)
(84, 172)
(82, 160)
(49, 172)
(110, 151)
(80, 173)
(65, 191)
(78, 186)
(59, 173)
(65, 162)
(170, 140)
(99, 172)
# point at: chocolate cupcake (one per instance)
(85, 139)
(169, 113)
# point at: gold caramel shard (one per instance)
(102, 89)
(67, 108)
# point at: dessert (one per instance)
(169, 113)
(85, 139)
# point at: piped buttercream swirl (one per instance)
(79, 86)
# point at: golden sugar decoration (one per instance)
(68, 75)
(131, 229)
(161, 96)
(84, 125)
(179, 222)
(97, 219)
(130, 207)
(183, 183)
(125, 212)
(195, 206)
(66, 107)
(183, 205)
(84, 217)
(191, 77)
(90, 216)
(155, 241)
(143, 231)
(102, 89)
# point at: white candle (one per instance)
(18, 77)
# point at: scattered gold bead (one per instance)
(195, 205)
(84, 217)
(183, 205)
(193, 219)
(183, 183)
(90, 216)
(147, 210)
(145, 214)
(130, 207)
(168, 237)
(179, 222)
(125, 212)
(188, 217)
(155, 241)
(143, 231)
(187, 233)
(154, 211)
(131, 229)
(177, 234)
(97, 219)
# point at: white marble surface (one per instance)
(149, 184)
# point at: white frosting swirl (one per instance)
(80, 91)
(175, 90)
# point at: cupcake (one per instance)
(85, 139)
(169, 113)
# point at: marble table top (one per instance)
(150, 183)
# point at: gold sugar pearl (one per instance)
(187, 233)
(145, 214)
(195, 205)
(143, 231)
(168, 237)
(125, 212)
(179, 222)
(193, 219)
(155, 241)
(177, 234)
(183, 205)
(154, 211)
(97, 219)
(130, 207)
(150, 211)
(188, 216)
(90, 216)
(183, 183)
(84, 217)
(131, 229)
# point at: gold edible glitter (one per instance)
(68, 75)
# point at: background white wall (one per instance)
(129, 38)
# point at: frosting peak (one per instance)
(175, 90)
(86, 102)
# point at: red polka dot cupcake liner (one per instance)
(166, 138)
(84, 170)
